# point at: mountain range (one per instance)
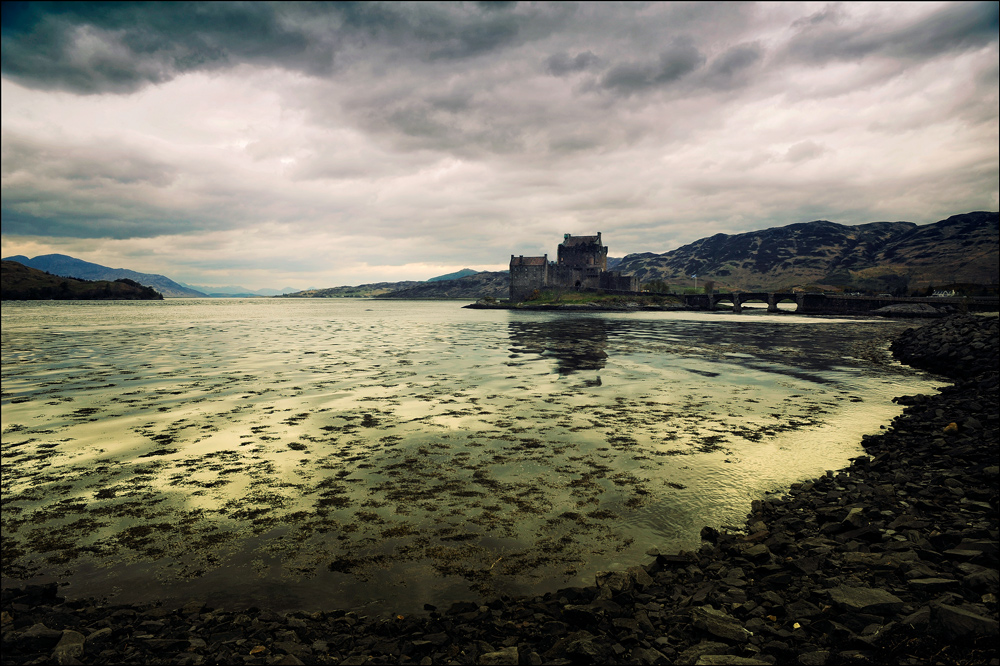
(474, 286)
(465, 272)
(23, 283)
(66, 266)
(235, 291)
(477, 285)
(877, 255)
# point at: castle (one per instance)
(582, 263)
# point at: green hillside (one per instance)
(21, 283)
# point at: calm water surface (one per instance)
(364, 453)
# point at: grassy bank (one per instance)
(557, 297)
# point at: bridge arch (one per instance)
(737, 299)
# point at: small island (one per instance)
(578, 280)
(21, 283)
(587, 301)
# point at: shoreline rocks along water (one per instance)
(891, 560)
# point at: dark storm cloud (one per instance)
(120, 47)
(679, 59)
(418, 120)
(453, 33)
(730, 67)
(477, 38)
(455, 121)
(426, 127)
(958, 27)
(85, 165)
(110, 224)
(87, 190)
(432, 31)
(561, 64)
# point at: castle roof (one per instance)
(569, 241)
(528, 261)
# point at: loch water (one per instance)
(379, 455)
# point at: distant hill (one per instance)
(66, 266)
(465, 272)
(22, 283)
(478, 285)
(233, 291)
(878, 255)
(358, 291)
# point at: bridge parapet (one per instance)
(738, 298)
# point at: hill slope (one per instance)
(66, 266)
(453, 276)
(22, 283)
(961, 248)
(480, 285)
(357, 291)
(477, 285)
(236, 291)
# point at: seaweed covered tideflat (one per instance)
(890, 560)
(455, 456)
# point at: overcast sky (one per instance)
(321, 145)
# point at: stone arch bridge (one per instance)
(738, 298)
(812, 303)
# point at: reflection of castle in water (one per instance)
(576, 343)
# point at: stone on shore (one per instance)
(719, 624)
(908, 310)
(69, 647)
(957, 623)
(865, 600)
(507, 655)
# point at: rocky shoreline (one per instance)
(890, 560)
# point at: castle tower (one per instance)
(583, 252)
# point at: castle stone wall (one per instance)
(582, 264)
(614, 280)
(526, 275)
